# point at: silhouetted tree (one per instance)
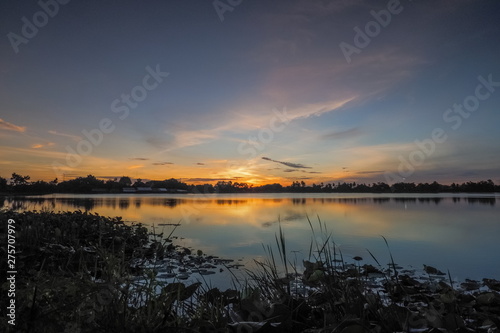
(269, 188)
(139, 183)
(202, 189)
(171, 184)
(3, 184)
(125, 181)
(19, 184)
(224, 187)
(41, 186)
(18, 180)
(81, 184)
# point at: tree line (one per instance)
(90, 184)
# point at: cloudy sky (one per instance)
(256, 91)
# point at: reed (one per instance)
(78, 272)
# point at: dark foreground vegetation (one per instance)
(19, 184)
(81, 272)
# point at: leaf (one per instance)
(317, 275)
(485, 298)
(447, 297)
(189, 291)
(356, 328)
(434, 318)
(432, 270)
(179, 291)
(173, 288)
(453, 321)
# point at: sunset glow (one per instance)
(265, 93)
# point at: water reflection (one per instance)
(124, 203)
(484, 201)
(456, 232)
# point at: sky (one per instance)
(251, 91)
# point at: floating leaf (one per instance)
(432, 270)
(189, 291)
(485, 298)
(453, 322)
(492, 284)
(356, 328)
(316, 276)
(447, 297)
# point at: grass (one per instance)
(76, 273)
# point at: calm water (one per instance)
(458, 233)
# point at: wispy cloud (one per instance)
(187, 138)
(303, 171)
(138, 166)
(42, 145)
(11, 127)
(210, 179)
(162, 163)
(72, 137)
(342, 134)
(317, 109)
(139, 159)
(370, 172)
(288, 164)
(245, 120)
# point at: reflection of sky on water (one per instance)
(455, 232)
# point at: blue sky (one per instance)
(270, 78)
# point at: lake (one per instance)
(455, 232)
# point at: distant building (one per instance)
(144, 189)
(175, 190)
(129, 190)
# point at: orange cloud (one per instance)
(11, 127)
(135, 167)
(41, 145)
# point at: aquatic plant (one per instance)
(81, 272)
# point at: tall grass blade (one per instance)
(392, 259)
(374, 258)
